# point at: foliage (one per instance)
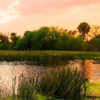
(63, 83)
(26, 88)
(22, 44)
(63, 42)
(94, 44)
(72, 33)
(3, 38)
(14, 40)
(46, 38)
(7, 55)
(76, 44)
(97, 36)
(51, 38)
(38, 39)
(26, 32)
(84, 28)
(6, 46)
(13, 34)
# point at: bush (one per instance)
(6, 46)
(63, 83)
(76, 44)
(22, 44)
(94, 44)
(63, 42)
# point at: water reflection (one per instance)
(92, 70)
(10, 69)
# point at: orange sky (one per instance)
(21, 15)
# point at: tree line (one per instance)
(51, 38)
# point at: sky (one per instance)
(21, 15)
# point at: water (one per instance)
(8, 70)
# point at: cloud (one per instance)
(4, 4)
(27, 7)
(21, 15)
(7, 12)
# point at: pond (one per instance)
(8, 70)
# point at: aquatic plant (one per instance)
(26, 88)
(63, 83)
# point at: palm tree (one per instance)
(13, 34)
(83, 28)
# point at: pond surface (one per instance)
(8, 70)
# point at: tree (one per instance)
(3, 38)
(13, 34)
(72, 33)
(26, 32)
(14, 39)
(83, 28)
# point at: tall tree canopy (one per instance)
(13, 34)
(83, 28)
(26, 32)
(3, 38)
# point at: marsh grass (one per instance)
(42, 55)
(63, 83)
(59, 84)
(27, 88)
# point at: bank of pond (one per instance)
(58, 80)
(59, 84)
(6, 55)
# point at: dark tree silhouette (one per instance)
(13, 34)
(26, 32)
(83, 28)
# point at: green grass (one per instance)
(42, 55)
(92, 91)
(93, 88)
(38, 97)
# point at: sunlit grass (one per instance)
(42, 55)
(93, 88)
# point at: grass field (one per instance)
(6, 55)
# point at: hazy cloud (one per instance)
(21, 15)
(44, 6)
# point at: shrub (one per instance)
(95, 44)
(63, 42)
(76, 44)
(22, 44)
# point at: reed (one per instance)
(26, 88)
(42, 55)
(63, 83)
(60, 84)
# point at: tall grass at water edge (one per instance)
(26, 88)
(42, 55)
(59, 84)
(63, 83)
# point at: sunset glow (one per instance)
(21, 15)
